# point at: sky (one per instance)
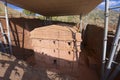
(15, 7)
(113, 3)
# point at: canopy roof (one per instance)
(57, 7)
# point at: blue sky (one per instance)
(101, 6)
(15, 7)
(113, 3)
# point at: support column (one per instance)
(113, 49)
(8, 27)
(81, 23)
(105, 38)
(115, 73)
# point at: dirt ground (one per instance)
(15, 69)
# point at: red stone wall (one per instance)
(20, 37)
(56, 44)
(56, 41)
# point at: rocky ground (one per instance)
(14, 69)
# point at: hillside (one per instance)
(11, 11)
(97, 16)
(94, 17)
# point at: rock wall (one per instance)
(93, 40)
(60, 42)
(20, 35)
(56, 45)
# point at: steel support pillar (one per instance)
(8, 27)
(115, 73)
(81, 27)
(105, 39)
(113, 49)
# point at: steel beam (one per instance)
(113, 49)
(81, 27)
(115, 73)
(105, 38)
(8, 27)
(114, 7)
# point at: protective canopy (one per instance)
(57, 7)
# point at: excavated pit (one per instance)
(55, 50)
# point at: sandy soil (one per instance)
(14, 69)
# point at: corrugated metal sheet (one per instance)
(57, 7)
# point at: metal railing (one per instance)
(107, 71)
(8, 39)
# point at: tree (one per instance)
(28, 13)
